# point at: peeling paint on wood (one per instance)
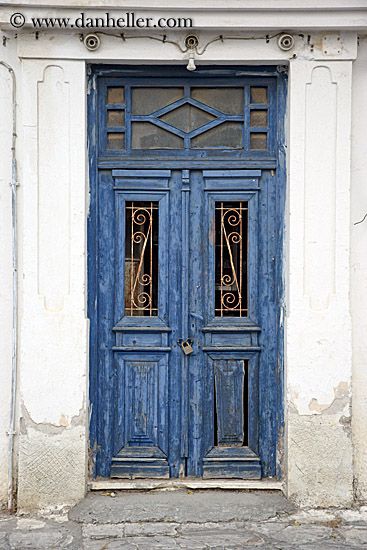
(165, 421)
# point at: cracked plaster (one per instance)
(49, 428)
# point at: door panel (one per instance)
(223, 311)
(177, 414)
(146, 364)
(230, 379)
(184, 250)
(141, 419)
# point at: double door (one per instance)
(186, 341)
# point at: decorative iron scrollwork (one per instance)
(231, 259)
(141, 258)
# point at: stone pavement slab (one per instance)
(180, 506)
(187, 520)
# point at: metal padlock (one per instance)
(186, 346)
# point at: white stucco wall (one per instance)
(51, 437)
(359, 270)
(8, 56)
(324, 253)
(54, 342)
(318, 333)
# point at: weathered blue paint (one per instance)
(278, 430)
(152, 407)
(92, 231)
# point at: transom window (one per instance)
(191, 117)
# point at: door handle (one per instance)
(186, 345)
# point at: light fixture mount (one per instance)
(92, 42)
(285, 42)
(191, 42)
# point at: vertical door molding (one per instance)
(185, 255)
(318, 328)
(320, 188)
(53, 144)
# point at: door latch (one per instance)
(186, 345)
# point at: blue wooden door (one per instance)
(184, 276)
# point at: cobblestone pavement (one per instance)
(186, 520)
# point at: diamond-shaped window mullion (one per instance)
(206, 127)
(187, 118)
(161, 124)
(188, 101)
(168, 108)
(192, 121)
(211, 110)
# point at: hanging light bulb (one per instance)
(191, 64)
(191, 43)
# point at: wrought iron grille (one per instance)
(231, 250)
(141, 259)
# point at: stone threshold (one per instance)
(166, 484)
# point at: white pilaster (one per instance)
(318, 328)
(53, 361)
(359, 271)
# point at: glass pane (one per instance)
(226, 135)
(149, 136)
(258, 141)
(148, 100)
(115, 118)
(259, 95)
(259, 118)
(115, 95)
(226, 100)
(187, 118)
(141, 259)
(115, 140)
(231, 249)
